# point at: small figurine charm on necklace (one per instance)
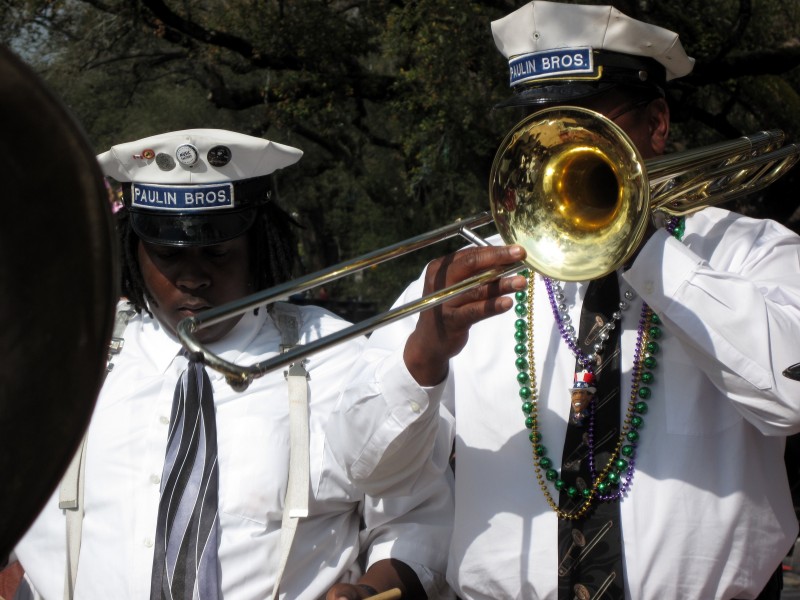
(581, 394)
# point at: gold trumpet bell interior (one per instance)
(570, 187)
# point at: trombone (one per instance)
(569, 186)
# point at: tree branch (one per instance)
(772, 62)
(218, 38)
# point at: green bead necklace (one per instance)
(614, 479)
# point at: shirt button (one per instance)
(415, 407)
(155, 478)
(148, 542)
(164, 420)
(648, 287)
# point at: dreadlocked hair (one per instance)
(132, 284)
(272, 247)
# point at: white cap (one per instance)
(549, 42)
(195, 156)
(196, 186)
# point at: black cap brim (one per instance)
(191, 229)
(556, 93)
(614, 70)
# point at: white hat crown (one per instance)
(195, 187)
(196, 156)
(542, 26)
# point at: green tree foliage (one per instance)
(391, 101)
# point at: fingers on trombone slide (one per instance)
(469, 261)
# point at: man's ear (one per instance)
(658, 122)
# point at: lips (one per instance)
(192, 308)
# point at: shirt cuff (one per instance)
(405, 398)
(393, 406)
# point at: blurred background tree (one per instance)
(391, 101)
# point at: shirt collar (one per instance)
(163, 347)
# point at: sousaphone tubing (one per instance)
(59, 277)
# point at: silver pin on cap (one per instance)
(187, 154)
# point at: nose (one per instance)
(191, 274)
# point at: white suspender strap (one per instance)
(70, 493)
(70, 499)
(286, 318)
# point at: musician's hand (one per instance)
(392, 578)
(347, 591)
(442, 331)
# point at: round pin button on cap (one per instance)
(219, 156)
(187, 154)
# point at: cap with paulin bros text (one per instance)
(559, 52)
(195, 187)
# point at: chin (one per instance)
(213, 334)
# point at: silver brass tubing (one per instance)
(239, 377)
(324, 276)
(570, 187)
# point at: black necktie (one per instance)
(185, 565)
(590, 554)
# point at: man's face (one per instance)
(645, 121)
(185, 281)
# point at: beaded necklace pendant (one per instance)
(581, 396)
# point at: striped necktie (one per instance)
(185, 565)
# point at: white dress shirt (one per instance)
(709, 514)
(125, 457)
